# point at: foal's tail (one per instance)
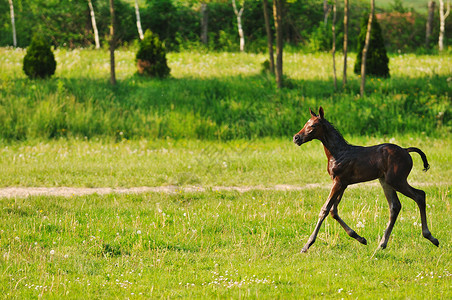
(423, 156)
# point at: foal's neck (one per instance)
(333, 141)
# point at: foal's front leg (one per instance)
(335, 192)
(347, 229)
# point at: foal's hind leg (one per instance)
(350, 232)
(419, 197)
(394, 209)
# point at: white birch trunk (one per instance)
(239, 13)
(13, 22)
(204, 23)
(326, 12)
(334, 45)
(269, 36)
(429, 25)
(443, 14)
(344, 79)
(137, 13)
(93, 22)
(366, 48)
(112, 43)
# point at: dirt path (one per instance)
(23, 192)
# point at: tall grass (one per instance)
(217, 96)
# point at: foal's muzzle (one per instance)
(297, 139)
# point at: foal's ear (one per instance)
(321, 112)
(312, 113)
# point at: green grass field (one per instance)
(265, 162)
(221, 245)
(218, 122)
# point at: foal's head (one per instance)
(313, 129)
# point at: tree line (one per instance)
(223, 25)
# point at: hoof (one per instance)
(363, 241)
(435, 242)
(304, 250)
(382, 246)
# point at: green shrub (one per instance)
(39, 62)
(151, 57)
(377, 60)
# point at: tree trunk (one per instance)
(443, 14)
(93, 22)
(326, 12)
(429, 25)
(366, 48)
(344, 78)
(334, 44)
(204, 23)
(239, 13)
(112, 43)
(277, 14)
(13, 22)
(269, 36)
(137, 13)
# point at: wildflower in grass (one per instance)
(138, 231)
(52, 252)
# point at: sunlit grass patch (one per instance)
(262, 162)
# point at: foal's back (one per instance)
(359, 164)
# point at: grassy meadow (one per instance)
(217, 96)
(221, 245)
(217, 122)
(261, 163)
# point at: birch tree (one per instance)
(429, 25)
(93, 22)
(238, 14)
(326, 12)
(333, 27)
(277, 14)
(269, 36)
(204, 23)
(443, 14)
(346, 7)
(137, 14)
(13, 22)
(112, 43)
(366, 48)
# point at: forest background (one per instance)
(307, 24)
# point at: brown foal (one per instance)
(348, 164)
